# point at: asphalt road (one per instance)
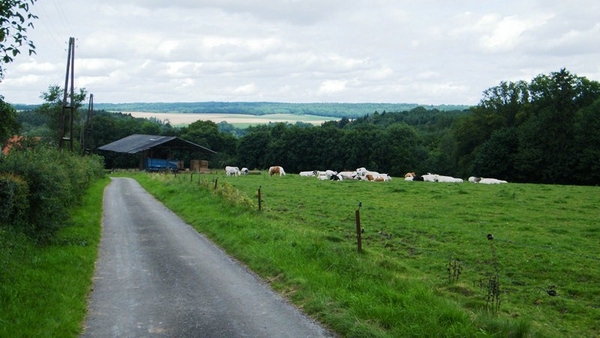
(157, 276)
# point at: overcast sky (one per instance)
(392, 51)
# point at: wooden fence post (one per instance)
(259, 199)
(358, 229)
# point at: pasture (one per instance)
(439, 259)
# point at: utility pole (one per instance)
(86, 135)
(68, 109)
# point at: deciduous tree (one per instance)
(15, 19)
(53, 108)
(8, 122)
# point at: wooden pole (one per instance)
(68, 106)
(259, 199)
(358, 229)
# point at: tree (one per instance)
(502, 106)
(357, 145)
(53, 107)
(207, 134)
(15, 18)
(252, 149)
(8, 122)
(587, 144)
(395, 149)
(548, 135)
(496, 156)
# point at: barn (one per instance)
(158, 153)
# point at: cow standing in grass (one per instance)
(276, 170)
(232, 171)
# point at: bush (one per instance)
(56, 181)
(13, 201)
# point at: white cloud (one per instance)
(332, 86)
(431, 52)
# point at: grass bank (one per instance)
(44, 288)
(427, 267)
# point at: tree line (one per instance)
(542, 131)
(329, 109)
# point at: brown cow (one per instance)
(276, 170)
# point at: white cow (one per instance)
(474, 179)
(235, 171)
(245, 171)
(348, 175)
(337, 177)
(308, 173)
(326, 173)
(430, 177)
(366, 175)
(448, 179)
(491, 181)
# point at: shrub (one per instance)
(13, 200)
(56, 181)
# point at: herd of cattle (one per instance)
(365, 175)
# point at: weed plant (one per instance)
(303, 242)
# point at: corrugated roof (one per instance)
(135, 143)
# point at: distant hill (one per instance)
(350, 110)
(264, 108)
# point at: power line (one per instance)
(53, 32)
(63, 18)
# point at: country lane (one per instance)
(156, 276)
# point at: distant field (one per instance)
(239, 120)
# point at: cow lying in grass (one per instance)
(484, 180)
(308, 173)
(432, 178)
(491, 181)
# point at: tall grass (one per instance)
(545, 238)
(44, 288)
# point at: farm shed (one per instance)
(160, 152)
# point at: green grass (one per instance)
(304, 243)
(44, 289)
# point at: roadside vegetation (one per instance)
(50, 210)
(512, 260)
(51, 207)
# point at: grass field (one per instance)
(427, 266)
(238, 120)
